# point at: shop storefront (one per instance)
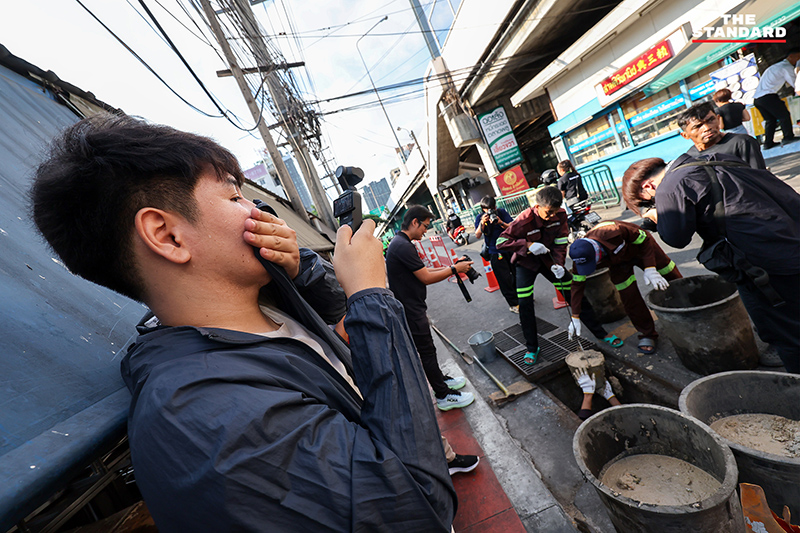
(634, 109)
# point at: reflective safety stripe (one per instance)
(627, 283)
(563, 286)
(578, 278)
(524, 292)
(608, 223)
(667, 269)
(640, 239)
(500, 240)
(561, 240)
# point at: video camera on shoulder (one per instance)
(347, 208)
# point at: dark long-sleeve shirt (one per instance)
(231, 431)
(528, 228)
(762, 213)
(744, 147)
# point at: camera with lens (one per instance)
(493, 216)
(472, 274)
(347, 208)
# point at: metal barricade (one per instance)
(599, 183)
(514, 204)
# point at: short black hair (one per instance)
(488, 202)
(99, 173)
(696, 112)
(549, 197)
(417, 212)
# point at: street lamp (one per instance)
(414, 138)
(402, 155)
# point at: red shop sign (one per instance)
(511, 181)
(638, 67)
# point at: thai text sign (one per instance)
(500, 138)
(511, 181)
(658, 110)
(639, 66)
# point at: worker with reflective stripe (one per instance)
(620, 246)
(537, 242)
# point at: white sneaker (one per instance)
(455, 401)
(456, 382)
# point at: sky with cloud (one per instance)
(61, 36)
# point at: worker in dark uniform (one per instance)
(620, 246)
(762, 220)
(537, 242)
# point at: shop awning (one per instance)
(696, 56)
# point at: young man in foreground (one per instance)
(242, 419)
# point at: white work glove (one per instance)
(608, 392)
(585, 381)
(574, 327)
(558, 271)
(538, 248)
(652, 277)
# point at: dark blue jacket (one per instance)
(231, 431)
(762, 213)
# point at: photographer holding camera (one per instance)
(243, 417)
(408, 278)
(489, 225)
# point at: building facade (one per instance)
(617, 91)
(376, 195)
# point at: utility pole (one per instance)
(272, 150)
(302, 155)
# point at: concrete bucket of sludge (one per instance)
(706, 322)
(757, 414)
(657, 469)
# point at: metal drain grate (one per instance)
(562, 339)
(544, 327)
(505, 343)
(510, 343)
(551, 358)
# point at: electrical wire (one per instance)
(145, 64)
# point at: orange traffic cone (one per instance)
(490, 277)
(559, 302)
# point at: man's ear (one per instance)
(683, 134)
(162, 233)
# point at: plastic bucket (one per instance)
(603, 296)
(733, 393)
(482, 343)
(619, 432)
(707, 323)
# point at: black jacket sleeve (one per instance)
(318, 286)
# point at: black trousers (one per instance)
(527, 315)
(774, 110)
(423, 340)
(779, 326)
(506, 277)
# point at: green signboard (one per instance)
(500, 138)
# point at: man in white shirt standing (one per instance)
(772, 108)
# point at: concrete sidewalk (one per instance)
(528, 443)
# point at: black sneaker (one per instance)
(463, 463)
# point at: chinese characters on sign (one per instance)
(639, 66)
(511, 181)
(500, 138)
